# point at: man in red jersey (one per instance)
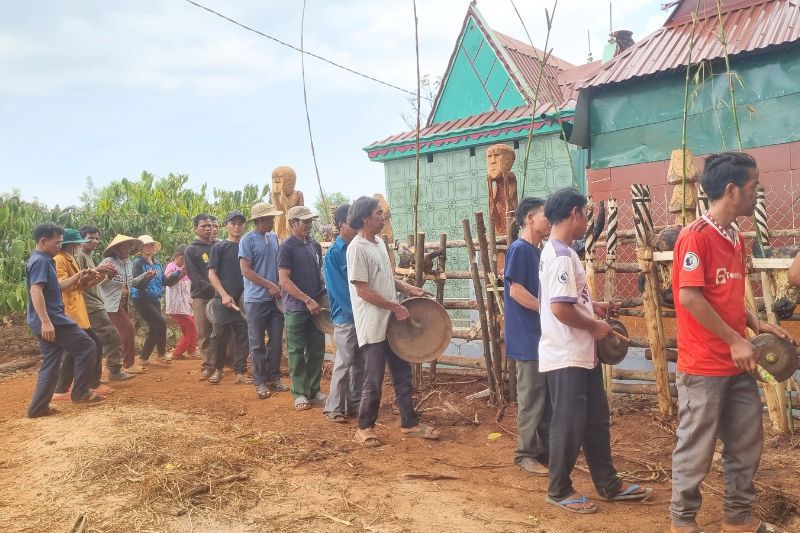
(717, 394)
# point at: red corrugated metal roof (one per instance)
(750, 27)
(529, 60)
(475, 121)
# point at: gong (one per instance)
(424, 336)
(323, 320)
(776, 355)
(210, 309)
(611, 350)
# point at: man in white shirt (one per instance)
(373, 293)
(567, 356)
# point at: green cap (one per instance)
(73, 236)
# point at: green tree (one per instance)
(334, 200)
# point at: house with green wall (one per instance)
(486, 96)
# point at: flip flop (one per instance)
(90, 398)
(104, 390)
(335, 416)
(215, 378)
(565, 503)
(763, 527)
(421, 430)
(301, 404)
(631, 494)
(368, 438)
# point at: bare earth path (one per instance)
(143, 461)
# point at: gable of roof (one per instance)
(749, 25)
(489, 72)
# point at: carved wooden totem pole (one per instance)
(284, 197)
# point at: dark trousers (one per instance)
(107, 333)
(264, 318)
(127, 334)
(71, 339)
(220, 337)
(376, 356)
(150, 311)
(534, 413)
(67, 373)
(580, 420)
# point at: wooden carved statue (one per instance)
(387, 216)
(687, 193)
(284, 196)
(502, 186)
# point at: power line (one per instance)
(284, 43)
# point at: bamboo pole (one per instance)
(610, 277)
(640, 196)
(482, 315)
(419, 281)
(439, 292)
(509, 365)
(774, 393)
(491, 310)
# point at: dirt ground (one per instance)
(143, 461)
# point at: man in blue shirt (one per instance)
(522, 333)
(258, 259)
(56, 331)
(347, 380)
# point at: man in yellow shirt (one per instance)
(73, 280)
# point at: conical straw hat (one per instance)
(119, 239)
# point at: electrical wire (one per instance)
(308, 116)
(296, 49)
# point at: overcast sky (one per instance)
(108, 88)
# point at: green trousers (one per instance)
(305, 345)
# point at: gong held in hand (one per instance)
(777, 357)
(423, 337)
(613, 348)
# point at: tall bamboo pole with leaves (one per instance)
(542, 66)
(558, 109)
(416, 190)
(686, 111)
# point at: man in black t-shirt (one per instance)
(225, 275)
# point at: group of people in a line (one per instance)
(551, 328)
(255, 287)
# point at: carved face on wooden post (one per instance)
(284, 180)
(499, 160)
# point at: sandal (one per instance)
(60, 397)
(104, 390)
(763, 527)
(631, 494)
(564, 504)
(421, 430)
(335, 416)
(301, 403)
(92, 397)
(368, 438)
(242, 379)
(216, 377)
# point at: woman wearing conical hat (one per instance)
(146, 296)
(115, 292)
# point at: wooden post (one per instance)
(509, 365)
(482, 316)
(491, 309)
(419, 281)
(774, 393)
(389, 251)
(439, 290)
(610, 274)
(640, 197)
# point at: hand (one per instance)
(274, 290)
(48, 331)
(766, 327)
(601, 329)
(228, 301)
(744, 355)
(600, 309)
(150, 274)
(412, 290)
(313, 306)
(86, 276)
(400, 312)
(613, 309)
(106, 269)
